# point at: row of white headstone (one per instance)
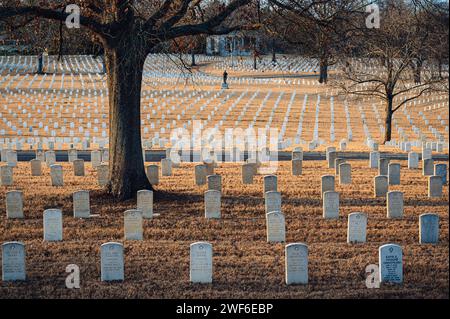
(56, 172)
(275, 220)
(9, 156)
(201, 263)
(81, 208)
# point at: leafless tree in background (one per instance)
(396, 62)
(320, 29)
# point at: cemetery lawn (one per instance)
(245, 265)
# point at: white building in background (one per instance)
(232, 44)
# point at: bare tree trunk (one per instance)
(126, 165)
(388, 120)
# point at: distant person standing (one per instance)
(40, 63)
(225, 78)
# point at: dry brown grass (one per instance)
(245, 266)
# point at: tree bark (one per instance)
(388, 120)
(126, 166)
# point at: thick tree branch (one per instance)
(159, 14)
(411, 99)
(207, 27)
(10, 12)
(178, 15)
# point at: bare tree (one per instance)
(382, 66)
(318, 28)
(128, 31)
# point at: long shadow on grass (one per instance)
(255, 199)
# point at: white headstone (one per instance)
(212, 204)
(56, 174)
(50, 158)
(296, 261)
(78, 167)
(345, 174)
(429, 228)
(133, 228)
(394, 204)
(272, 201)
(373, 159)
(327, 184)
(11, 157)
(331, 159)
(103, 175)
(6, 175)
(166, 167)
(296, 167)
(112, 261)
(330, 205)
(441, 170)
(394, 173)
(337, 162)
(247, 173)
(434, 186)
(53, 225)
(381, 185)
(153, 174)
(13, 261)
(427, 153)
(275, 226)
(270, 183)
(145, 203)
(413, 160)
(383, 164)
(14, 204)
(81, 205)
(96, 158)
(214, 182)
(201, 265)
(36, 167)
(200, 174)
(356, 228)
(391, 263)
(428, 167)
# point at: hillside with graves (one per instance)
(270, 186)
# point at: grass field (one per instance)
(245, 265)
